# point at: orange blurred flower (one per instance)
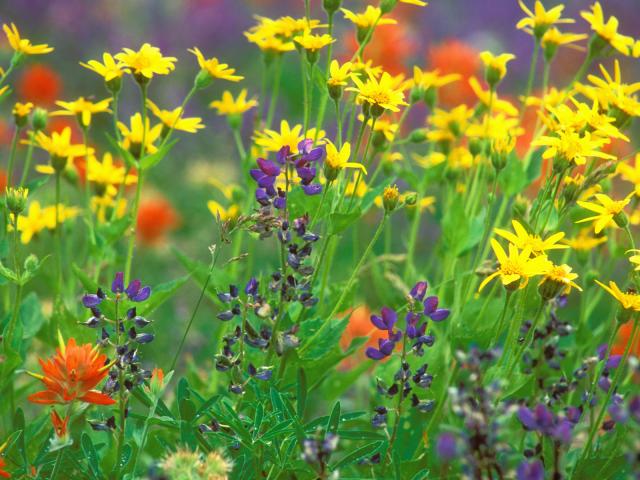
(6, 132)
(622, 339)
(389, 48)
(3, 472)
(3, 181)
(455, 56)
(39, 84)
(156, 218)
(71, 374)
(59, 425)
(359, 326)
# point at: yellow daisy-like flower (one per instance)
(570, 146)
(228, 106)
(607, 31)
(612, 92)
(60, 149)
(106, 176)
(555, 38)
(497, 105)
(495, 65)
(495, 127)
(432, 79)
(608, 211)
(559, 279)
(38, 219)
(214, 68)
(339, 74)
(517, 266)
(380, 94)
(172, 119)
(534, 243)
(359, 191)
(367, 19)
(336, 160)
(109, 69)
(23, 45)
(630, 173)
(538, 21)
(273, 141)
(22, 109)
(449, 125)
(312, 42)
(82, 109)
(146, 62)
(365, 69)
(225, 214)
(585, 241)
(628, 300)
(383, 125)
(104, 204)
(635, 259)
(132, 135)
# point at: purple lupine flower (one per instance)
(309, 154)
(634, 408)
(542, 420)
(446, 447)
(91, 300)
(418, 291)
(387, 319)
(530, 470)
(385, 348)
(117, 286)
(252, 287)
(432, 311)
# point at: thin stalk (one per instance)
(12, 155)
(122, 402)
(396, 420)
(305, 93)
(325, 95)
(532, 69)
(364, 158)
(529, 338)
(338, 123)
(500, 324)
(241, 151)
(8, 341)
(58, 239)
(275, 90)
(27, 161)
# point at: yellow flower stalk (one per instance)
(534, 243)
(609, 212)
(82, 109)
(173, 120)
(227, 105)
(132, 135)
(607, 31)
(628, 300)
(109, 69)
(539, 20)
(23, 45)
(146, 62)
(517, 266)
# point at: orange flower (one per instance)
(156, 217)
(3, 180)
(389, 48)
(359, 326)
(622, 339)
(59, 425)
(454, 56)
(3, 472)
(39, 84)
(71, 374)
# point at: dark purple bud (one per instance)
(268, 167)
(236, 389)
(573, 414)
(93, 322)
(91, 300)
(142, 295)
(389, 317)
(562, 431)
(430, 305)
(283, 154)
(224, 297)
(280, 202)
(604, 383)
(378, 322)
(251, 287)
(141, 322)
(530, 470)
(144, 338)
(618, 413)
(446, 447)
(614, 361)
(131, 313)
(439, 315)
(374, 354)
(544, 417)
(313, 189)
(225, 316)
(117, 286)
(262, 197)
(418, 291)
(306, 174)
(602, 351)
(526, 417)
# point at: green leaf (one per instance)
(513, 178)
(317, 346)
(124, 153)
(301, 392)
(91, 454)
(358, 454)
(276, 430)
(257, 422)
(31, 316)
(360, 435)
(341, 221)
(150, 161)
(334, 419)
(160, 294)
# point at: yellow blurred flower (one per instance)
(39, 219)
(273, 141)
(60, 149)
(82, 109)
(607, 31)
(172, 119)
(22, 109)
(570, 146)
(611, 92)
(367, 19)
(528, 241)
(432, 79)
(554, 37)
(214, 68)
(608, 211)
(495, 126)
(539, 20)
(339, 74)
(103, 205)
(146, 62)
(497, 105)
(109, 69)
(635, 258)
(228, 106)
(585, 241)
(628, 300)
(630, 173)
(23, 45)
(133, 134)
(450, 124)
(312, 42)
(225, 214)
(495, 66)
(106, 175)
(383, 125)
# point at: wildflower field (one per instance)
(320, 239)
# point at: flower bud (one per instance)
(114, 85)
(335, 91)
(416, 95)
(31, 263)
(419, 135)
(39, 119)
(203, 80)
(21, 113)
(16, 199)
(387, 5)
(390, 198)
(331, 6)
(410, 198)
(621, 219)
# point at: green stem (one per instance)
(336, 102)
(305, 92)
(396, 420)
(364, 158)
(275, 91)
(58, 239)
(500, 324)
(8, 341)
(12, 155)
(241, 151)
(530, 335)
(27, 161)
(532, 69)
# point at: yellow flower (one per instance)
(584, 241)
(380, 94)
(390, 197)
(146, 62)
(172, 119)
(497, 105)
(503, 145)
(106, 175)
(276, 36)
(60, 149)
(534, 243)
(22, 109)
(570, 146)
(109, 69)
(23, 45)
(132, 135)
(429, 160)
(517, 266)
(83, 109)
(270, 44)
(607, 31)
(538, 21)
(635, 259)
(225, 214)
(39, 219)
(350, 190)
(554, 37)
(365, 69)
(273, 141)
(630, 173)
(425, 203)
(559, 279)
(312, 42)
(102, 205)
(339, 74)
(370, 17)
(418, 3)
(449, 125)
(214, 68)
(608, 211)
(552, 98)
(496, 126)
(383, 126)
(612, 93)
(495, 65)
(228, 106)
(432, 79)
(628, 301)
(337, 160)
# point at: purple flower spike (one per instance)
(91, 300)
(614, 361)
(133, 288)
(374, 354)
(527, 418)
(142, 295)
(283, 154)
(385, 347)
(306, 174)
(418, 291)
(117, 286)
(268, 167)
(386, 321)
(252, 287)
(446, 447)
(313, 189)
(530, 471)
(634, 408)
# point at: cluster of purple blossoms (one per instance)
(318, 450)
(419, 307)
(305, 164)
(543, 421)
